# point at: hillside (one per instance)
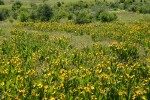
(88, 50)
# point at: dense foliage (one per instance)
(44, 13)
(83, 17)
(2, 2)
(4, 13)
(16, 5)
(101, 11)
(34, 65)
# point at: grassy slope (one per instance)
(78, 41)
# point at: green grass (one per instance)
(125, 16)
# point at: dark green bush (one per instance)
(125, 5)
(44, 12)
(14, 15)
(114, 5)
(144, 9)
(121, 6)
(58, 4)
(60, 14)
(129, 1)
(33, 15)
(24, 17)
(77, 6)
(98, 12)
(70, 16)
(132, 8)
(4, 13)
(83, 17)
(62, 2)
(121, 1)
(2, 2)
(133, 0)
(16, 5)
(33, 6)
(107, 17)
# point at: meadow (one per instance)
(56, 60)
(35, 65)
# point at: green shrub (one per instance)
(132, 8)
(23, 17)
(121, 6)
(14, 15)
(70, 16)
(2, 2)
(98, 12)
(78, 5)
(33, 15)
(114, 5)
(4, 13)
(129, 1)
(144, 9)
(107, 17)
(33, 6)
(83, 17)
(133, 0)
(16, 5)
(125, 5)
(60, 14)
(58, 4)
(44, 12)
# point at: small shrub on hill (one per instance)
(4, 13)
(44, 12)
(144, 9)
(83, 17)
(107, 17)
(98, 12)
(59, 15)
(14, 15)
(78, 5)
(114, 5)
(16, 5)
(2, 2)
(24, 17)
(33, 15)
(70, 17)
(132, 8)
(33, 6)
(121, 1)
(58, 4)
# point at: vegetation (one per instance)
(42, 67)
(44, 13)
(83, 17)
(107, 17)
(91, 50)
(16, 5)
(4, 13)
(74, 11)
(2, 2)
